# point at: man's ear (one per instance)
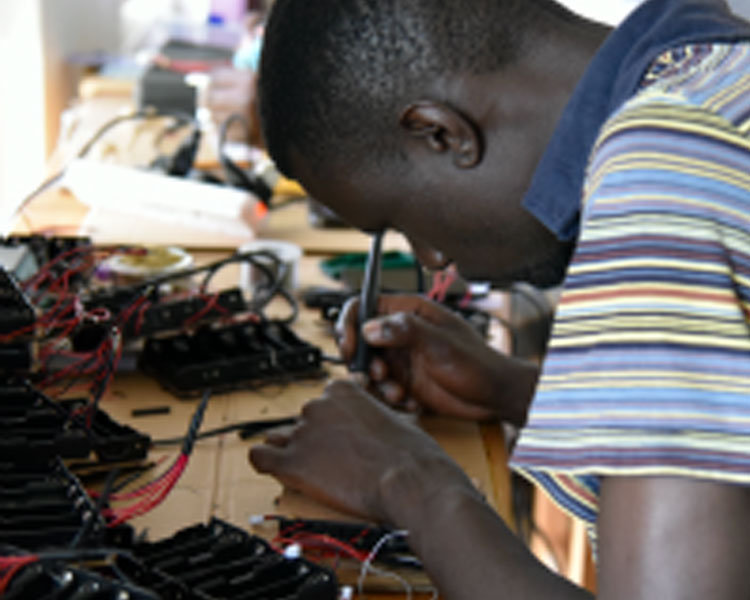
(444, 129)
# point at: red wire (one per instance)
(151, 495)
(211, 303)
(316, 541)
(44, 272)
(442, 281)
(148, 487)
(13, 565)
(141, 317)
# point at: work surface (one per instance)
(219, 481)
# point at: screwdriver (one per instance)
(368, 300)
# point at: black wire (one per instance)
(232, 171)
(195, 425)
(273, 288)
(245, 428)
(274, 274)
(148, 113)
(419, 270)
(133, 477)
(85, 529)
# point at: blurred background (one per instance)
(49, 50)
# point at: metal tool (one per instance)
(368, 302)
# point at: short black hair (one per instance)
(333, 73)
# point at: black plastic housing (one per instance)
(229, 357)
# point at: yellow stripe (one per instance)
(648, 263)
(657, 384)
(742, 86)
(646, 374)
(683, 200)
(651, 161)
(703, 326)
(644, 338)
(684, 121)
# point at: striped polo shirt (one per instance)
(648, 367)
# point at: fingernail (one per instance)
(391, 392)
(359, 378)
(373, 331)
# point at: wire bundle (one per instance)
(68, 313)
(149, 496)
(326, 546)
(10, 566)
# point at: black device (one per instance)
(17, 318)
(56, 579)
(230, 357)
(45, 506)
(368, 302)
(220, 561)
(35, 429)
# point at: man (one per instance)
(525, 143)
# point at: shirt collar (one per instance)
(612, 77)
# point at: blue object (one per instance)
(613, 76)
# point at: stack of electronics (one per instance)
(59, 539)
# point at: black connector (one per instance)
(35, 430)
(46, 506)
(221, 561)
(47, 578)
(235, 356)
(163, 316)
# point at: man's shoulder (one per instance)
(706, 86)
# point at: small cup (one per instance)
(289, 254)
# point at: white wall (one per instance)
(36, 38)
(22, 148)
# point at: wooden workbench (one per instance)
(218, 480)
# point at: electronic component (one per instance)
(362, 537)
(35, 430)
(166, 316)
(56, 252)
(46, 506)
(16, 312)
(157, 316)
(17, 318)
(58, 579)
(45, 249)
(229, 357)
(220, 561)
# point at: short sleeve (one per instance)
(648, 367)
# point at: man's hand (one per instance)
(351, 452)
(434, 359)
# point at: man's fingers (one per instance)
(392, 331)
(378, 369)
(346, 329)
(266, 458)
(280, 436)
(389, 305)
(391, 392)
